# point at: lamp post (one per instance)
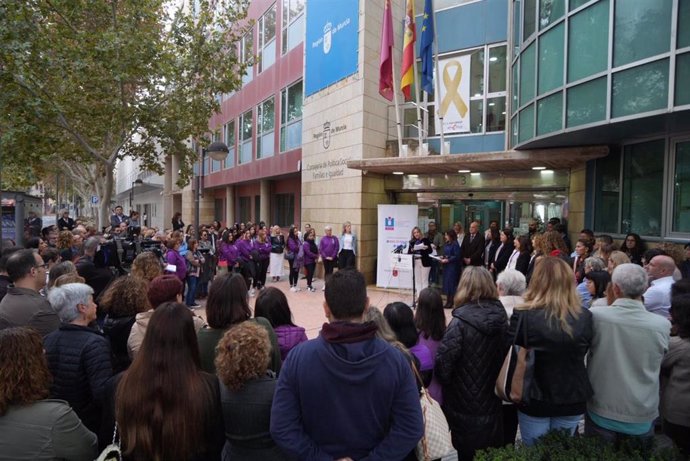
(217, 151)
(136, 183)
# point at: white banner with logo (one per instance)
(454, 105)
(394, 230)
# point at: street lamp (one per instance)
(217, 151)
(136, 183)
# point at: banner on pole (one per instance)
(454, 105)
(395, 224)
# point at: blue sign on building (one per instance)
(331, 43)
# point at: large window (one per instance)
(293, 24)
(284, 209)
(681, 186)
(215, 164)
(246, 122)
(265, 128)
(230, 140)
(291, 117)
(245, 211)
(267, 39)
(247, 55)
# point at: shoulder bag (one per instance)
(436, 442)
(113, 451)
(515, 378)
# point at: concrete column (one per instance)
(265, 204)
(230, 205)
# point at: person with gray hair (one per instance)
(593, 263)
(78, 355)
(626, 384)
(329, 246)
(511, 285)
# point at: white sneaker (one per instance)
(297, 289)
(312, 289)
(293, 289)
(251, 292)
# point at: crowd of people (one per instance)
(604, 337)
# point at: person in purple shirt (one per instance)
(245, 246)
(431, 324)
(262, 247)
(293, 245)
(273, 306)
(311, 255)
(228, 255)
(173, 258)
(328, 248)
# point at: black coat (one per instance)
(501, 259)
(522, 263)
(560, 386)
(117, 330)
(96, 277)
(474, 250)
(63, 223)
(468, 361)
(426, 259)
(79, 360)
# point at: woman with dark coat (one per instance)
(520, 258)
(311, 255)
(291, 249)
(452, 255)
(177, 223)
(422, 258)
(468, 362)
(503, 252)
(633, 247)
(559, 332)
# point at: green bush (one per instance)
(560, 446)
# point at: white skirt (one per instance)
(276, 267)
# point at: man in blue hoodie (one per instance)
(346, 394)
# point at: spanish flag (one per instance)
(408, 50)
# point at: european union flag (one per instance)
(426, 52)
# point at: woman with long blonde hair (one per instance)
(552, 324)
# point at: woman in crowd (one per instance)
(61, 268)
(593, 263)
(292, 249)
(246, 393)
(122, 301)
(65, 245)
(597, 282)
(537, 245)
(420, 247)
(195, 261)
(262, 247)
(31, 425)
(431, 325)
(401, 320)
(459, 232)
(189, 233)
(162, 289)
(208, 268)
(174, 258)
(277, 249)
(511, 286)
(616, 258)
(177, 223)
(227, 306)
(491, 245)
(272, 305)
(633, 247)
(311, 255)
(583, 249)
(472, 351)
(328, 249)
(146, 266)
(559, 332)
(165, 406)
(503, 252)
(675, 374)
(246, 254)
(78, 356)
(554, 245)
(228, 254)
(452, 256)
(521, 255)
(348, 247)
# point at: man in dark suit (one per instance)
(473, 246)
(65, 222)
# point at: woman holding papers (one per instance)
(420, 247)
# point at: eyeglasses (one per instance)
(44, 265)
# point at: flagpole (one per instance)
(437, 96)
(419, 113)
(395, 98)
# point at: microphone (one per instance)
(399, 249)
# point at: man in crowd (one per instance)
(436, 239)
(473, 246)
(96, 277)
(5, 281)
(361, 385)
(657, 298)
(65, 222)
(118, 218)
(624, 362)
(23, 306)
(34, 224)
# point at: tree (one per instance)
(91, 81)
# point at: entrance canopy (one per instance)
(512, 160)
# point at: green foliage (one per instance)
(560, 446)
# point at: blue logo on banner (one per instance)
(331, 43)
(389, 223)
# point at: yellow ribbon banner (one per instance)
(452, 85)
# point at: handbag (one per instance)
(290, 256)
(515, 378)
(436, 442)
(113, 451)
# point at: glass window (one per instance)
(477, 73)
(641, 29)
(550, 114)
(246, 122)
(681, 190)
(550, 11)
(586, 103)
(682, 79)
(293, 24)
(230, 141)
(572, 4)
(514, 131)
(245, 213)
(607, 193)
(267, 39)
(551, 51)
(588, 41)
(215, 165)
(477, 115)
(265, 125)
(291, 117)
(247, 55)
(515, 88)
(640, 89)
(530, 18)
(683, 38)
(526, 123)
(516, 27)
(643, 188)
(496, 114)
(497, 69)
(284, 209)
(527, 75)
